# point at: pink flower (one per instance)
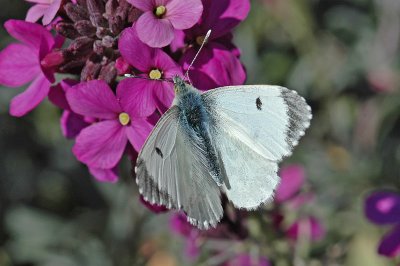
(105, 175)
(43, 8)
(146, 95)
(218, 64)
(157, 24)
(308, 227)
(292, 179)
(71, 123)
(102, 144)
(383, 208)
(31, 60)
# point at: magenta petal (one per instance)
(101, 145)
(105, 175)
(147, 5)
(19, 64)
(29, 33)
(166, 64)
(164, 94)
(94, 99)
(309, 228)
(223, 15)
(57, 94)
(136, 96)
(31, 97)
(180, 225)
(179, 41)
(134, 51)
(292, 178)
(184, 14)
(138, 132)
(383, 207)
(218, 63)
(390, 244)
(72, 124)
(192, 249)
(51, 12)
(36, 12)
(153, 31)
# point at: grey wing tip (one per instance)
(299, 113)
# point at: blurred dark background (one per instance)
(341, 55)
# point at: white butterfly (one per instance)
(227, 140)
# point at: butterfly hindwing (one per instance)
(255, 127)
(171, 170)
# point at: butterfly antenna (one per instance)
(197, 54)
(139, 77)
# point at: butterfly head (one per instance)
(180, 86)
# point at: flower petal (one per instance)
(184, 14)
(134, 51)
(57, 93)
(383, 207)
(136, 96)
(308, 227)
(31, 97)
(164, 95)
(35, 12)
(218, 63)
(72, 124)
(153, 31)
(390, 243)
(166, 64)
(223, 15)
(19, 64)
(292, 179)
(94, 99)
(51, 12)
(180, 225)
(138, 132)
(101, 145)
(147, 5)
(29, 33)
(105, 175)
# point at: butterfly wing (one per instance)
(255, 127)
(172, 170)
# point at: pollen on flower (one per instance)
(160, 11)
(155, 74)
(124, 119)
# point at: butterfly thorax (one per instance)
(195, 123)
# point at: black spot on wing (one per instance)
(159, 152)
(258, 103)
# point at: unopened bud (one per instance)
(52, 59)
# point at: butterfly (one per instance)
(226, 140)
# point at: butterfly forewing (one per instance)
(255, 127)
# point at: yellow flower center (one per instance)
(200, 39)
(155, 74)
(124, 119)
(160, 11)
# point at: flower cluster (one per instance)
(286, 217)
(383, 208)
(120, 55)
